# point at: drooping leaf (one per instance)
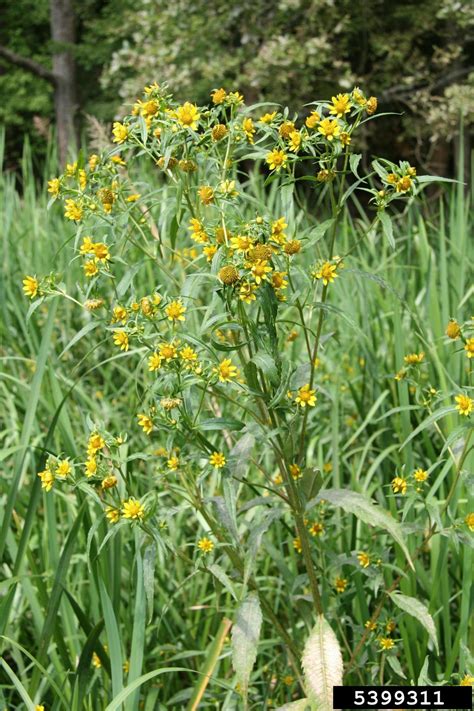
(300, 705)
(387, 228)
(418, 610)
(245, 634)
(367, 511)
(322, 664)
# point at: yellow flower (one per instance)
(175, 311)
(119, 313)
(297, 544)
(469, 347)
(260, 270)
(91, 268)
(241, 243)
(248, 128)
(247, 292)
(370, 625)
(233, 97)
(218, 132)
(420, 474)
(73, 210)
(82, 178)
(132, 509)
(120, 132)
(47, 479)
(93, 161)
(209, 252)
(276, 159)
(341, 104)
(218, 96)
(329, 128)
(467, 680)
(404, 184)
(371, 105)
(340, 584)
(414, 358)
(390, 626)
(228, 274)
(154, 362)
(295, 141)
(469, 521)
(91, 466)
(226, 371)
(345, 138)
(227, 187)
(327, 272)
(173, 463)
(188, 115)
(206, 193)
(205, 545)
(316, 529)
(101, 252)
(121, 340)
(63, 468)
(386, 643)
(278, 229)
(96, 442)
(217, 460)
(54, 186)
(295, 471)
(39, 707)
(268, 118)
(306, 397)
(399, 485)
(313, 119)
(286, 129)
(145, 422)
(464, 404)
(30, 286)
(292, 247)
(453, 330)
(167, 351)
(109, 482)
(364, 559)
(188, 354)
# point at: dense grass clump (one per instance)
(202, 515)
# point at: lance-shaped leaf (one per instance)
(245, 634)
(416, 608)
(322, 665)
(367, 511)
(300, 705)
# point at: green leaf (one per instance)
(223, 578)
(367, 511)
(113, 638)
(387, 228)
(149, 560)
(221, 423)
(245, 634)
(300, 705)
(322, 664)
(18, 686)
(396, 666)
(354, 161)
(416, 609)
(265, 362)
(429, 421)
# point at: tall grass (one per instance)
(82, 617)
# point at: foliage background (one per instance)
(415, 56)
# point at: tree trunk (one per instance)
(63, 34)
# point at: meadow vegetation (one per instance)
(236, 415)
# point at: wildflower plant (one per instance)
(228, 416)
